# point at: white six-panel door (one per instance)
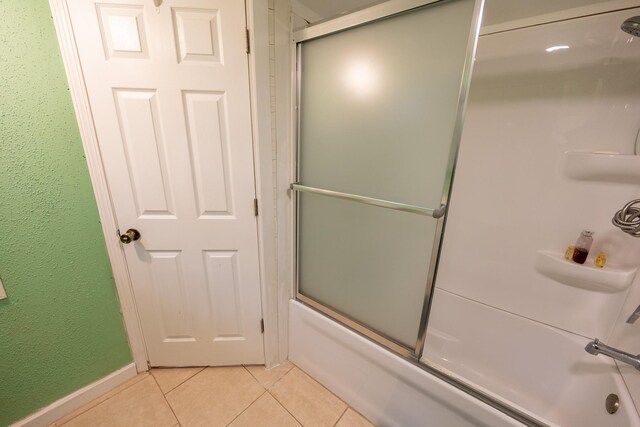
(169, 94)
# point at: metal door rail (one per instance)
(434, 213)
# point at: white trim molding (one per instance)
(260, 89)
(284, 163)
(80, 98)
(77, 399)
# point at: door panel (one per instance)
(169, 287)
(123, 31)
(222, 277)
(197, 37)
(142, 139)
(206, 117)
(169, 92)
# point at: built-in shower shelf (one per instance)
(585, 276)
(602, 167)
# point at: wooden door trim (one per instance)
(261, 123)
(260, 91)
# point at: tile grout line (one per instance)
(252, 376)
(262, 394)
(177, 385)
(283, 375)
(289, 370)
(317, 382)
(276, 399)
(341, 415)
(98, 404)
(268, 391)
(248, 406)
(321, 385)
(284, 407)
(279, 379)
(362, 415)
(167, 400)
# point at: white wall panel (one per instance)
(537, 368)
(511, 196)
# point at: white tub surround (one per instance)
(548, 106)
(512, 195)
(529, 365)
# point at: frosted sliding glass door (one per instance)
(379, 113)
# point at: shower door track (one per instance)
(363, 330)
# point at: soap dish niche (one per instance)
(602, 166)
(607, 279)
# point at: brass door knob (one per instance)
(129, 236)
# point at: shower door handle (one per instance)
(436, 213)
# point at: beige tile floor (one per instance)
(243, 396)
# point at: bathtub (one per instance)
(544, 373)
(382, 386)
(541, 369)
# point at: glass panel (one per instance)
(378, 108)
(379, 104)
(367, 262)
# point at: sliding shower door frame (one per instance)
(412, 355)
(356, 19)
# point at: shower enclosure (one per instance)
(380, 105)
(380, 96)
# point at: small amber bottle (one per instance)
(583, 244)
(601, 260)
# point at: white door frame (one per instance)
(258, 25)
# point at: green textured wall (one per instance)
(60, 328)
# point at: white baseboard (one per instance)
(75, 400)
